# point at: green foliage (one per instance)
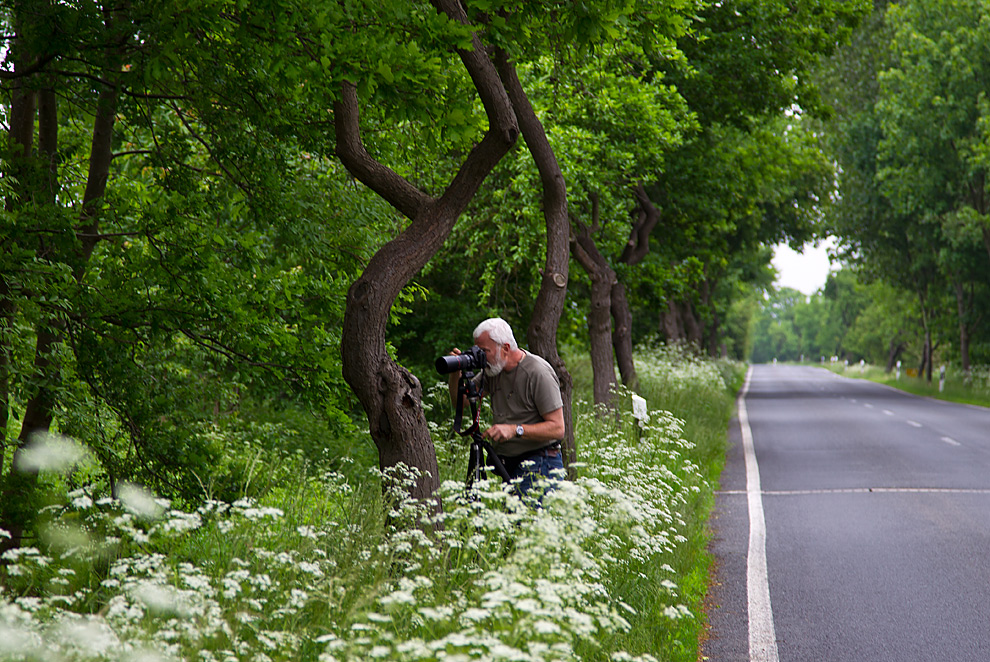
(908, 137)
(751, 57)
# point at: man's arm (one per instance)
(551, 428)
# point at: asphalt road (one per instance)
(876, 507)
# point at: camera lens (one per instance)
(472, 359)
(447, 364)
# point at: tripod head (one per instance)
(467, 389)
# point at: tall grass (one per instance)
(611, 567)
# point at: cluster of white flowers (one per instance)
(491, 577)
(471, 575)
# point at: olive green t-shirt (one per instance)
(522, 396)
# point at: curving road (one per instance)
(874, 510)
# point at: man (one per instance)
(527, 409)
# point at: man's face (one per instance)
(493, 355)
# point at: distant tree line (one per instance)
(911, 138)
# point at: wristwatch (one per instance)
(519, 430)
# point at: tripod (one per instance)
(479, 447)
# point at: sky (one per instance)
(806, 271)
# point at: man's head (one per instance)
(494, 336)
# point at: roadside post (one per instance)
(640, 412)
(898, 374)
(941, 379)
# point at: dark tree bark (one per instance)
(927, 349)
(964, 303)
(680, 324)
(639, 237)
(692, 327)
(635, 250)
(622, 335)
(549, 305)
(670, 323)
(603, 279)
(391, 395)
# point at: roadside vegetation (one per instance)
(613, 567)
(972, 389)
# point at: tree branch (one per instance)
(382, 180)
(639, 236)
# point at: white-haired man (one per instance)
(527, 408)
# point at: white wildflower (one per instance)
(475, 615)
(310, 568)
(139, 501)
(307, 532)
(160, 599)
(50, 452)
(18, 642)
(91, 635)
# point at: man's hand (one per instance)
(500, 432)
(551, 428)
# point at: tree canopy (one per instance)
(230, 223)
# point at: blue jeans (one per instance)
(539, 464)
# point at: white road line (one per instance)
(951, 441)
(868, 405)
(870, 490)
(888, 412)
(762, 638)
(914, 424)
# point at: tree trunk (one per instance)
(692, 328)
(390, 395)
(603, 279)
(633, 253)
(670, 323)
(708, 340)
(549, 305)
(894, 350)
(927, 351)
(925, 367)
(962, 306)
(622, 335)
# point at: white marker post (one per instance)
(640, 411)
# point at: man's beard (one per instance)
(496, 366)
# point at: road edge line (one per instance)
(762, 638)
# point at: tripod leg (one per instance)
(497, 464)
(475, 464)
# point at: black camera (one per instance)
(471, 360)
